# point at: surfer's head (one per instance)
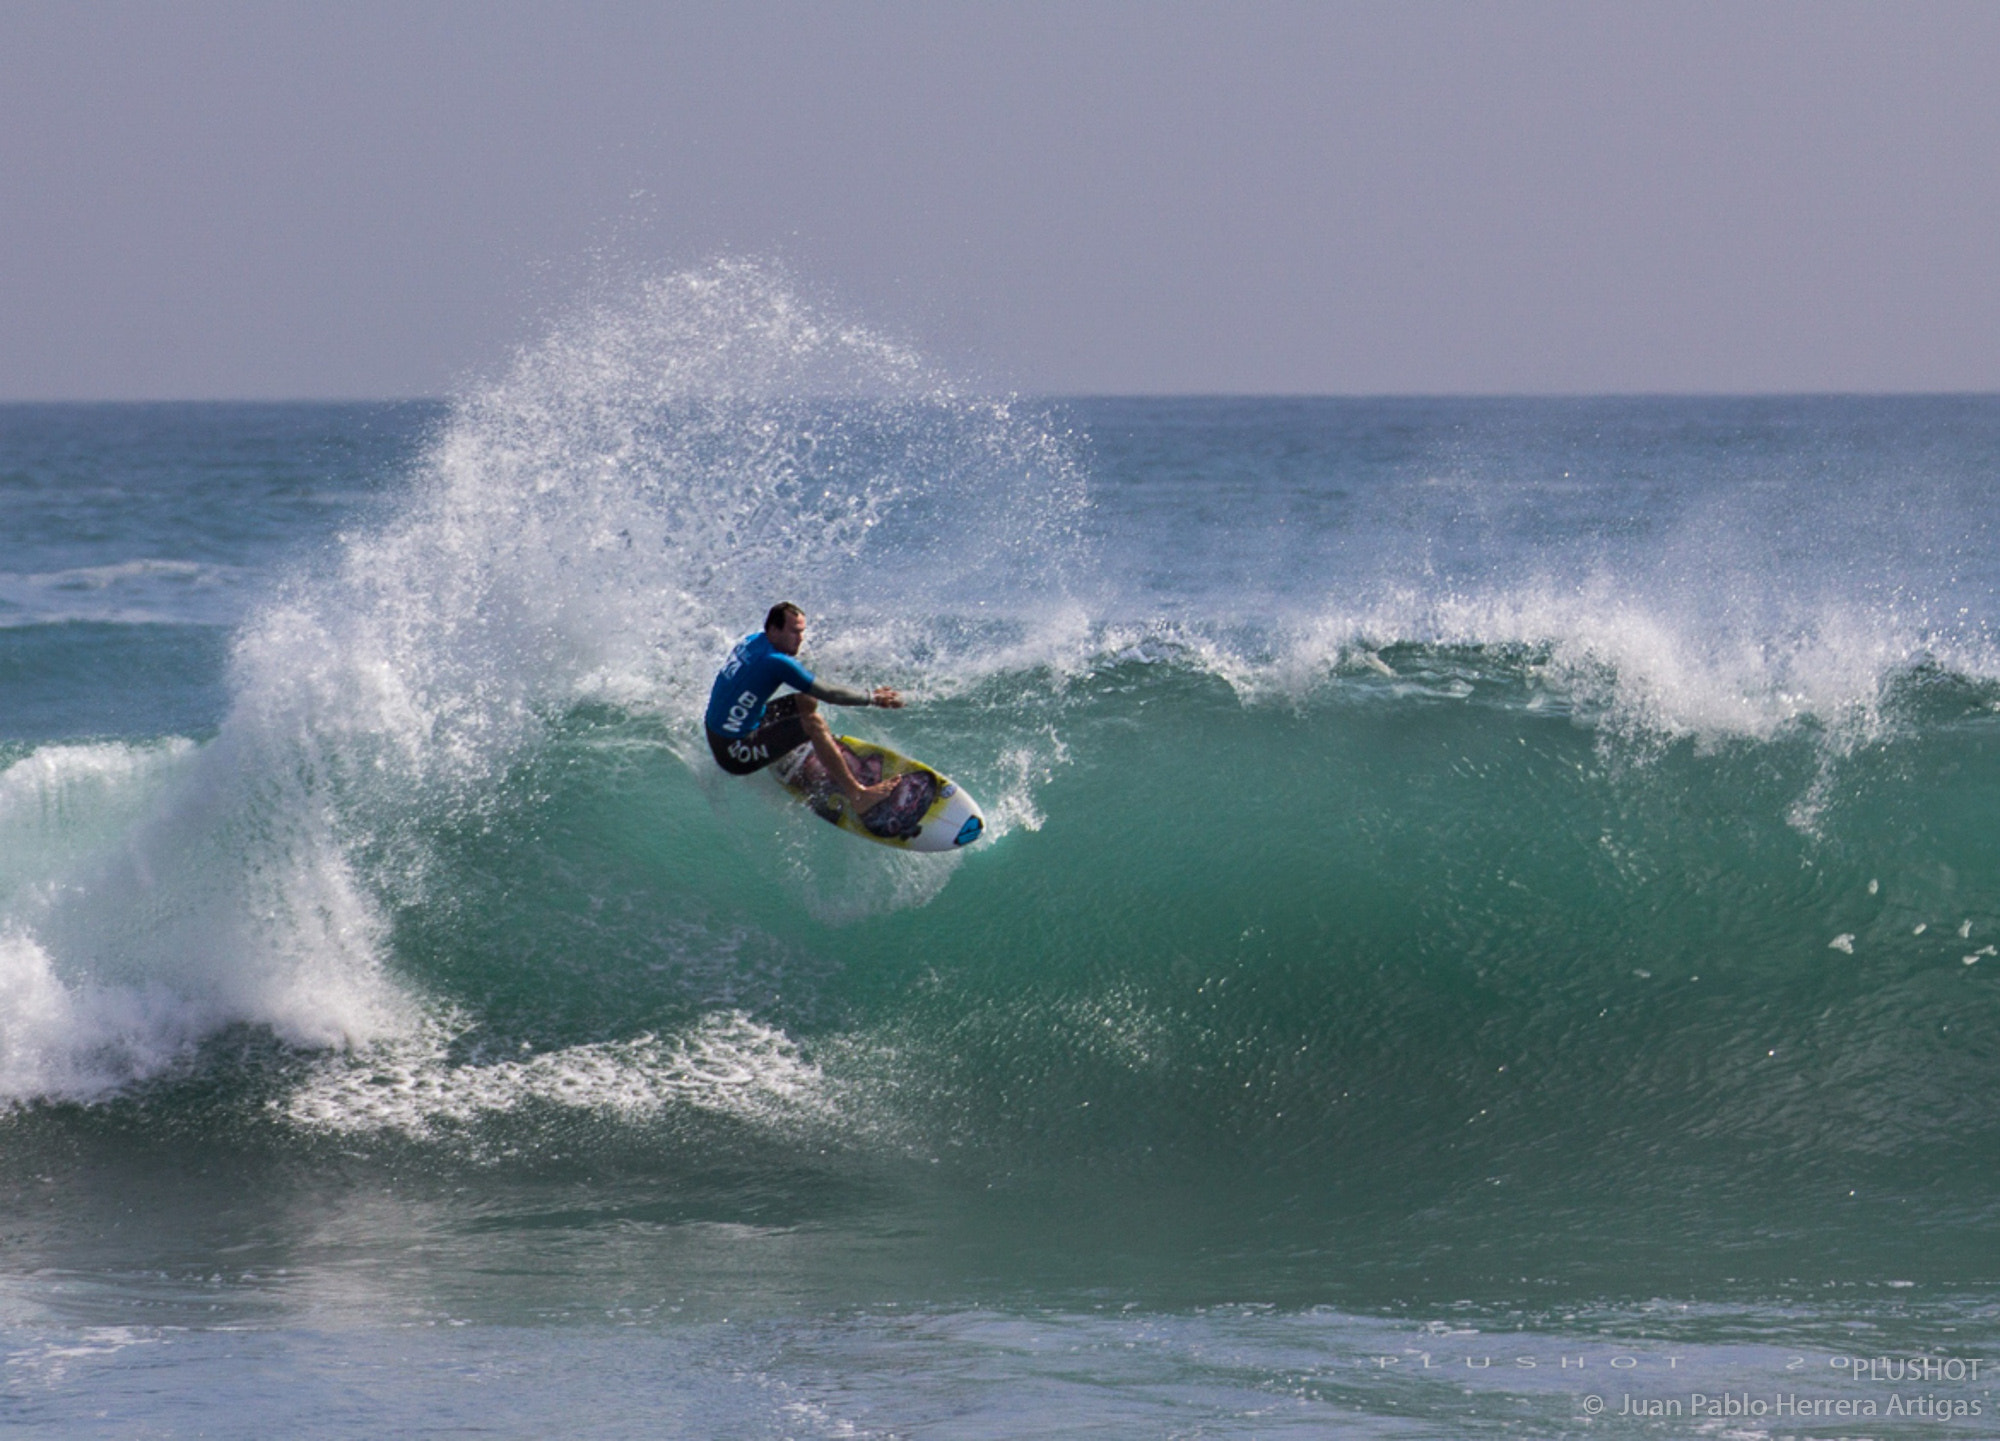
(786, 627)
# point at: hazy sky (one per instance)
(360, 199)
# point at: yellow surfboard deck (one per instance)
(928, 811)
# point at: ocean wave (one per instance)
(462, 771)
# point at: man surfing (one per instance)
(747, 730)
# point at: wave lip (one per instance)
(1635, 672)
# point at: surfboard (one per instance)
(926, 812)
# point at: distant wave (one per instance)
(136, 592)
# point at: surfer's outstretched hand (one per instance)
(888, 698)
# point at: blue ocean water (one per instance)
(1488, 928)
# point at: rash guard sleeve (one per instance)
(790, 672)
(839, 694)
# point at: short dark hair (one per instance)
(783, 611)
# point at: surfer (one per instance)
(747, 730)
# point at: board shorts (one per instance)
(783, 731)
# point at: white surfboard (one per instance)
(926, 812)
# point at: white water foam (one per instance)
(1637, 667)
(133, 926)
(728, 1064)
(227, 901)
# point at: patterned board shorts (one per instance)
(783, 731)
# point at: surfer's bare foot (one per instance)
(869, 797)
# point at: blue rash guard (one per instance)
(754, 670)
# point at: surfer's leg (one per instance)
(863, 798)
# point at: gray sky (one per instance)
(364, 199)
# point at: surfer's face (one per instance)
(790, 636)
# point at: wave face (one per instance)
(1411, 819)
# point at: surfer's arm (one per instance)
(842, 695)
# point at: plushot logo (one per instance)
(1902, 1370)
